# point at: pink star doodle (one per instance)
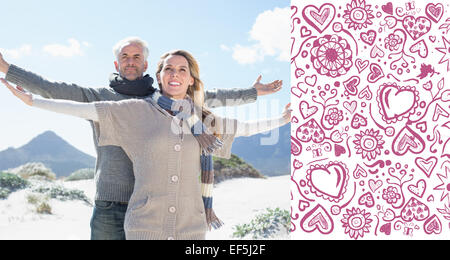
(446, 51)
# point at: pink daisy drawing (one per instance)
(356, 223)
(369, 143)
(358, 14)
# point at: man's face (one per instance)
(131, 63)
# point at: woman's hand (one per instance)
(19, 92)
(287, 113)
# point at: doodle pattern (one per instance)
(371, 124)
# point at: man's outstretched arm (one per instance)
(43, 87)
(235, 97)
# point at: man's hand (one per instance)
(266, 89)
(19, 92)
(4, 66)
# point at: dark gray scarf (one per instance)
(140, 87)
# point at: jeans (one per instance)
(108, 220)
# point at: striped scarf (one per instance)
(186, 110)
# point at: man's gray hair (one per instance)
(130, 40)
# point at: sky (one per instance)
(71, 41)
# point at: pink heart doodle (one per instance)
(396, 102)
(339, 150)
(416, 27)
(351, 85)
(388, 8)
(422, 126)
(358, 121)
(376, 52)
(306, 110)
(375, 74)
(317, 219)
(439, 111)
(319, 18)
(328, 181)
(310, 131)
(386, 229)
(389, 215)
(296, 147)
(367, 200)
(302, 205)
(433, 225)
(418, 189)
(365, 93)
(350, 107)
(434, 11)
(420, 48)
(359, 172)
(368, 37)
(415, 210)
(304, 32)
(375, 185)
(311, 80)
(407, 140)
(426, 165)
(361, 65)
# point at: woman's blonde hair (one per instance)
(195, 91)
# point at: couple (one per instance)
(154, 172)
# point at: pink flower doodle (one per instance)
(331, 56)
(391, 195)
(358, 14)
(393, 42)
(369, 143)
(356, 223)
(334, 116)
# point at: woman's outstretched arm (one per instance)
(83, 110)
(261, 126)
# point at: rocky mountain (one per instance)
(234, 167)
(270, 160)
(63, 159)
(51, 150)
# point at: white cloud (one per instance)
(67, 51)
(271, 34)
(17, 53)
(248, 54)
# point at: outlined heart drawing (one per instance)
(310, 131)
(319, 18)
(306, 110)
(408, 140)
(368, 37)
(396, 102)
(416, 27)
(434, 11)
(415, 210)
(418, 189)
(328, 181)
(426, 165)
(376, 73)
(319, 220)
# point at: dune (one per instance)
(236, 202)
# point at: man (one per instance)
(114, 171)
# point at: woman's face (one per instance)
(175, 77)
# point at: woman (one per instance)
(170, 139)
